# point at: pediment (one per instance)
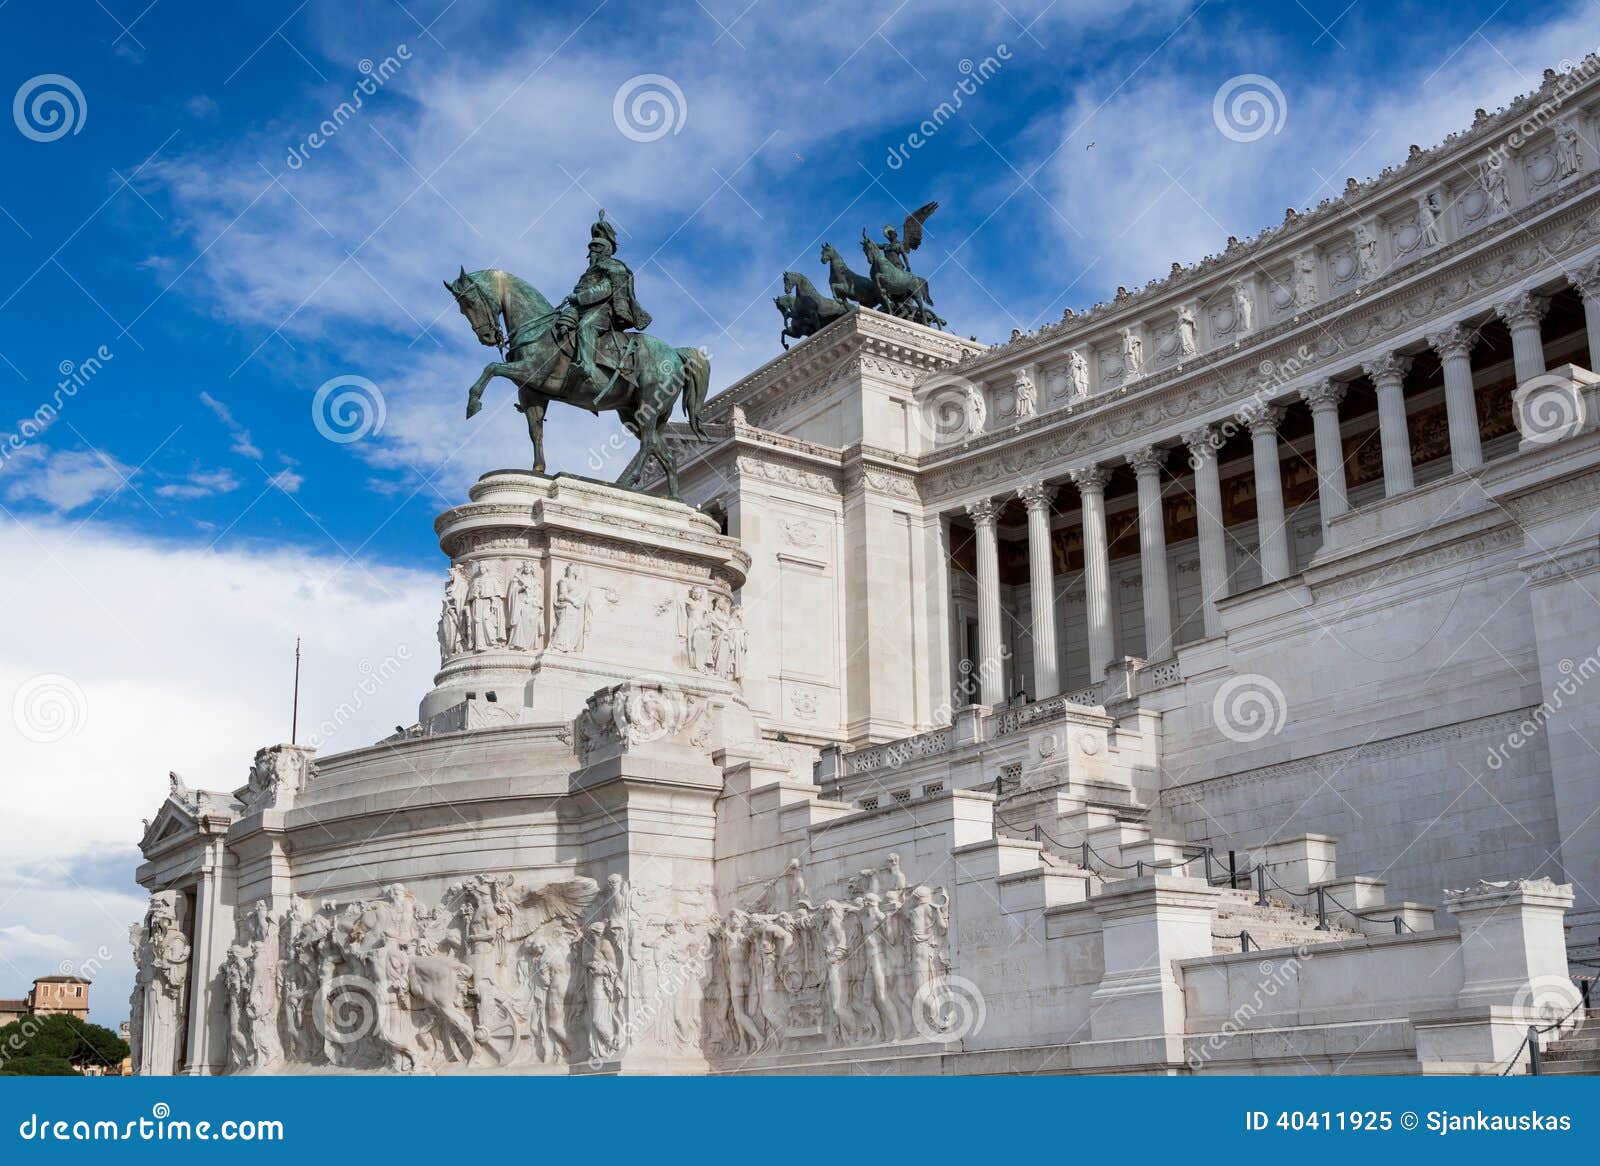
(174, 819)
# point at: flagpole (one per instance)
(294, 722)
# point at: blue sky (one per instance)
(181, 517)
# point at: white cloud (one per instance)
(1163, 184)
(502, 160)
(288, 481)
(63, 480)
(243, 444)
(200, 484)
(177, 658)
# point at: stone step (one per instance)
(1589, 1068)
(1576, 1047)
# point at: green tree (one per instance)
(56, 1046)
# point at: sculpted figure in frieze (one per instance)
(731, 639)
(161, 993)
(1188, 335)
(574, 604)
(1077, 375)
(525, 609)
(137, 938)
(486, 625)
(453, 614)
(1492, 177)
(1027, 393)
(250, 980)
(277, 774)
(1568, 160)
(1244, 308)
(1367, 250)
(1432, 209)
(866, 966)
(497, 974)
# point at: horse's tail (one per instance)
(926, 294)
(696, 377)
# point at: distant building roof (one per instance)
(61, 980)
(13, 1005)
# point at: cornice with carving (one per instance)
(1170, 400)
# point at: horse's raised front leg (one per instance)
(512, 372)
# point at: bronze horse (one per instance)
(647, 375)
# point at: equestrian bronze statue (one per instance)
(589, 350)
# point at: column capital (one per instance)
(1202, 442)
(1587, 278)
(1147, 461)
(1261, 416)
(1090, 479)
(1453, 342)
(1036, 495)
(1324, 395)
(1524, 308)
(1390, 367)
(984, 511)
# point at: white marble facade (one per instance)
(919, 740)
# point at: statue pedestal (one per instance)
(562, 586)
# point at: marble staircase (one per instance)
(1577, 1054)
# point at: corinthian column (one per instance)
(1587, 280)
(1388, 375)
(1146, 465)
(991, 669)
(1324, 399)
(1202, 445)
(1091, 483)
(1263, 422)
(1041, 589)
(1522, 313)
(1454, 346)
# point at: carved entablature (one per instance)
(1429, 179)
(863, 342)
(1349, 327)
(784, 472)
